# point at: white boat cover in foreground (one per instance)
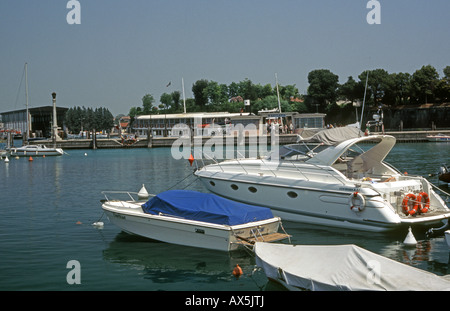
(341, 267)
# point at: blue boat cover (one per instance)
(206, 207)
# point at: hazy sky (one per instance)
(123, 50)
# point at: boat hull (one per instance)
(182, 231)
(36, 151)
(322, 204)
(438, 138)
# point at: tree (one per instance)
(349, 90)
(322, 90)
(400, 91)
(166, 100)
(443, 86)
(200, 95)
(176, 95)
(377, 86)
(423, 83)
(217, 94)
(78, 119)
(270, 102)
(147, 103)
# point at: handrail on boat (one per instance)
(120, 192)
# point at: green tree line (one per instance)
(324, 91)
(88, 119)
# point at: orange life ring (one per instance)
(405, 204)
(423, 208)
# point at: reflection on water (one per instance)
(164, 263)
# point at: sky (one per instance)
(122, 50)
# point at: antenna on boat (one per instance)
(364, 101)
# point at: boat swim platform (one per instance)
(270, 237)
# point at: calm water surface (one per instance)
(48, 207)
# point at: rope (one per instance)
(181, 182)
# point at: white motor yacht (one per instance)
(337, 177)
(35, 150)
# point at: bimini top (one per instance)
(204, 207)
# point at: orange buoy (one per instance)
(237, 271)
(78, 222)
(30, 159)
(191, 159)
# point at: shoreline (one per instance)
(155, 142)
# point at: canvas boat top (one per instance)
(343, 267)
(206, 207)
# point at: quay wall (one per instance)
(401, 136)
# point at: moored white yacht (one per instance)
(35, 150)
(337, 178)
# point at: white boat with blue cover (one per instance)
(195, 219)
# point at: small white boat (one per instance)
(195, 219)
(35, 150)
(341, 268)
(438, 138)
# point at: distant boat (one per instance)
(438, 138)
(341, 268)
(194, 219)
(35, 150)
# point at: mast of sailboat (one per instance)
(25, 138)
(278, 93)
(184, 97)
(364, 101)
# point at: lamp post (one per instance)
(55, 136)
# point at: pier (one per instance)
(155, 142)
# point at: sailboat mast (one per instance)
(26, 95)
(364, 100)
(278, 93)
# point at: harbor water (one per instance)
(48, 206)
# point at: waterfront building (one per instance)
(40, 120)
(212, 123)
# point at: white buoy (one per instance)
(410, 239)
(143, 194)
(6, 159)
(85, 154)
